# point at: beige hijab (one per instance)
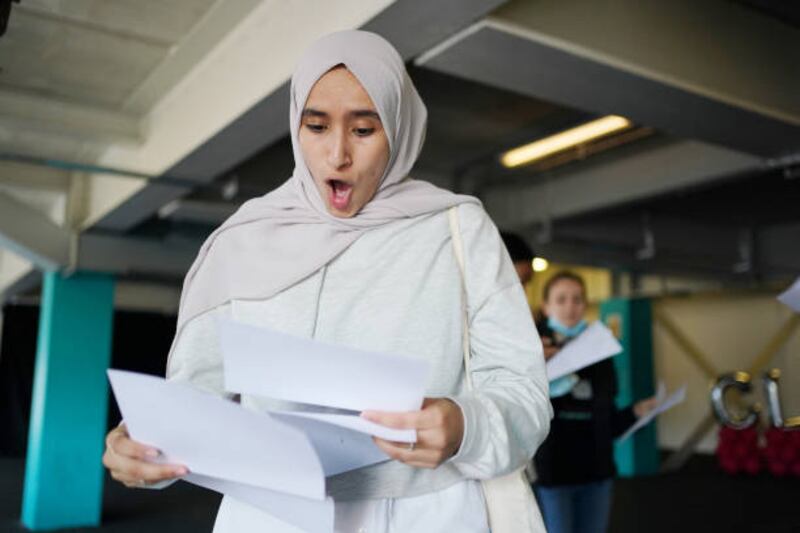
(281, 238)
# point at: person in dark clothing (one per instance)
(521, 255)
(575, 465)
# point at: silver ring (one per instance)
(412, 446)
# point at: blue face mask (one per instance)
(558, 327)
(563, 385)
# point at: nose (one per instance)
(339, 149)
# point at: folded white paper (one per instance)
(218, 438)
(596, 343)
(791, 296)
(339, 449)
(267, 363)
(360, 425)
(276, 461)
(664, 403)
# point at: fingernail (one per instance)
(181, 472)
(152, 453)
(367, 415)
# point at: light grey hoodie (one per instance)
(397, 290)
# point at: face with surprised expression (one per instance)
(343, 142)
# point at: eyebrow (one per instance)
(358, 113)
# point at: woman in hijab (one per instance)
(352, 250)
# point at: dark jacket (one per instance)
(579, 448)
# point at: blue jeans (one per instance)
(582, 508)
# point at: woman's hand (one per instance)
(549, 348)
(440, 428)
(643, 407)
(130, 462)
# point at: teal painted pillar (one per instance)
(631, 321)
(63, 471)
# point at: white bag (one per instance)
(510, 504)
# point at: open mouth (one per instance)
(339, 193)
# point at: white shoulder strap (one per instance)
(458, 248)
(510, 504)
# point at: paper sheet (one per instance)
(339, 449)
(267, 363)
(664, 404)
(314, 516)
(791, 296)
(360, 425)
(217, 438)
(594, 344)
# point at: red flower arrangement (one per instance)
(740, 450)
(782, 451)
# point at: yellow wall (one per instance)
(730, 330)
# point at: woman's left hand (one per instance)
(440, 428)
(642, 407)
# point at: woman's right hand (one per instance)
(130, 462)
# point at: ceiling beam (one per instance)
(32, 235)
(712, 71)
(56, 118)
(198, 211)
(35, 177)
(217, 22)
(136, 256)
(715, 242)
(712, 251)
(657, 167)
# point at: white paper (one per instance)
(664, 404)
(361, 425)
(594, 344)
(313, 516)
(267, 363)
(217, 438)
(791, 296)
(339, 449)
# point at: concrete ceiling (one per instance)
(718, 82)
(741, 230)
(127, 85)
(157, 120)
(92, 52)
(412, 26)
(79, 78)
(784, 12)
(710, 71)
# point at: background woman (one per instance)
(575, 465)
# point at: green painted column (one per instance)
(63, 470)
(631, 321)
